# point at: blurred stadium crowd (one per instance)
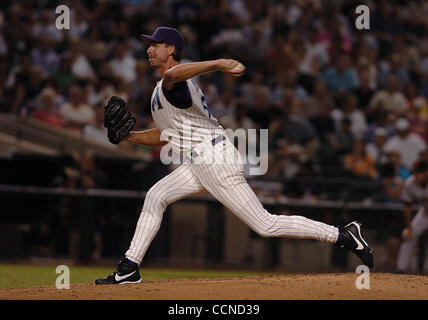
(331, 96)
(338, 102)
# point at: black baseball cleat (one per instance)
(127, 272)
(352, 239)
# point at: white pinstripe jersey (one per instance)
(184, 127)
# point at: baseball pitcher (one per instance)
(212, 163)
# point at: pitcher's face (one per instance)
(159, 53)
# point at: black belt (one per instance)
(214, 141)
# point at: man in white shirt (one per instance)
(123, 65)
(76, 112)
(390, 99)
(408, 144)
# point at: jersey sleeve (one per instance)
(179, 96)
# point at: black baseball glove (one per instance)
(118, 121)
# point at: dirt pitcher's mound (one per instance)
(281, 287)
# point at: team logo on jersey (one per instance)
(203, 100)
(156, 102)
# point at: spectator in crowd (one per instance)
(17, 28)
(190, 39)
(417, 123)
(25, 91)
(35, 83)
(414, 98)
(259, 114)
(290, 157)
(47, 111)
(407, 144)
(423, 155)
(290, 80)
(20, 70)
(122, 89)
(314, 103)
(363, 92)
(294, 129)
(376, 149)
(340, 77)
(220, 104)
(389, 99)
(75, 111)
(323, 122)
(394, 157)
(392, 183)
(394, 66)
(80, 65)
(367, 54)
(102, 89)
(342, 141)
(44, 55)
(249, 89)
(95, 130)
(15, 98)
(45, 27)
(141, 84)
(237, 120)
(79, 20)
(418, 112)
(123, 64)
(64, 76)
(359, 163)
(316, 55)
(350, 111)
(95, 49)
(383, 120)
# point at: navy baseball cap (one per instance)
(166, 35)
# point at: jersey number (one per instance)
(203, 100)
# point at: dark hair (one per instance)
(177, 55)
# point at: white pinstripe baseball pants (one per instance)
(227, 184)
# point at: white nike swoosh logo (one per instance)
(360, 245)
(120, 278)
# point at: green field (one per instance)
(24, 275)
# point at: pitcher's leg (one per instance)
(419, 225)
(228, 185)
(179, 184)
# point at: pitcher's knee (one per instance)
(264, 226)
(155, 200)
